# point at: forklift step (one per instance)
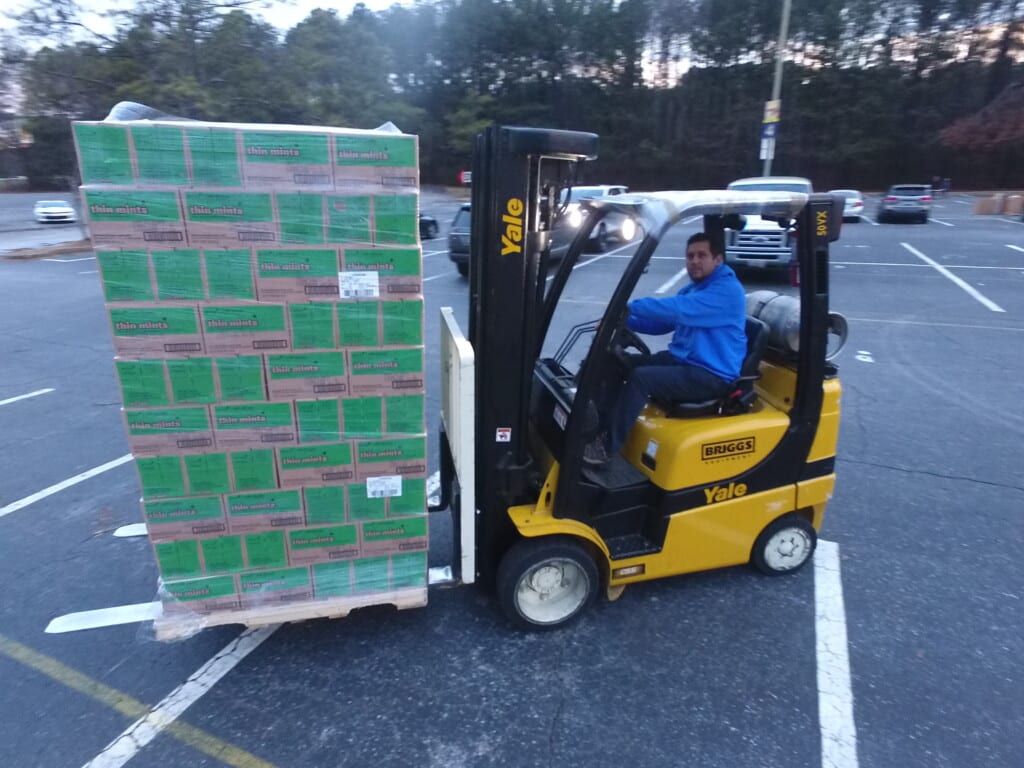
(631, 545)
(617, 473)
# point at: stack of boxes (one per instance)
(265, 296)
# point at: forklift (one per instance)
(697, 486)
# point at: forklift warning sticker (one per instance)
(503, 435)
(726, 449)
(384, 487)
(359, 285)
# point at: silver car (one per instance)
(853, 203)
(57, 211)
(614, 227)
(906, 201)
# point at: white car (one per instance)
(614, 227)
(853, 203)
(50, 211)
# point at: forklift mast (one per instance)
(517, 177)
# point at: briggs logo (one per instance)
(512, 238)
(726, 448)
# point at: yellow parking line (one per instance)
(127, 706)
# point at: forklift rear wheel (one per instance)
(784, 546)
(546, 582)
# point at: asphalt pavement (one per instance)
(714, 670)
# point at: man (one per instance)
(707, 319)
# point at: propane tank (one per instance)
(781, 314)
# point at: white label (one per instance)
(652, 449)
(503, 435)
(560, 416)
(359, 285)
(384, 487)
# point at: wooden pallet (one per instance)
(178, 626)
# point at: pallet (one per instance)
(179, 626)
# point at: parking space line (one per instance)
(671, 281)
(1015, 247)
(434, 253)
(157, 720)
(1008, 221)
(21, 503)
(870, 221)
(38, 392)
(835, 691)
(970, 289)
(940, 221)
(69, 261)
(435, 277)
(919, 266)
(588, 262)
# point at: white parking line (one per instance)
(435, 277)
(22, 503)
(870, 221)
(38, 392)
(1008, 221)
(610, 254)
(835, 691)
(671, 281)
(144, 730)
(434, 253)
(1015, 247)
(940, 221)
(971, 290)
(69, 261)
(918, 266)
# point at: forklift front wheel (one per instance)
(546, 582)
(784, 546)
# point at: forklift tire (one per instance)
(463, 269)
(546, 582)
(784, 546)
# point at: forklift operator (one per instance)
(707, 319)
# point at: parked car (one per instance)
(906, 201)
(458, 239)
(853, 203)
(763, 242)
(614, 228)
(53, 211)
(429, 228)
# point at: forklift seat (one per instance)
(740, 395)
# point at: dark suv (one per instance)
(906, 201)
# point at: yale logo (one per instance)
(731, 491)
(726, 448)
(512, 238)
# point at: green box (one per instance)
(319, 421)
(229, 273)
(402, 323)
(364, 416)
(130, 206)
(405, 415)
(154, 321)
(386, 361)
(103, 152)
(320, 365)
(223, 554)
(296, 263)
(388, 262)
(413, 500)
(244, 318)
(285, 148)
(375, 151)
(160, 155)
(302, 218)
(201, 589)
(348, 219)
(195, 510)
(395, 221)
(178, 559)
(125, 275)
(269, 503)
(208, 473)
(164, 421)
(161, 476)
(241, 378)
(315, 465)
(224, 207)
(266, 550)
(272, 582)
(395, 529)
(261, 416)
(362, 506)
(325, 504)
(409, 570)
(332, 579)
(254, 470)
(192, 380)
(179, 275)
(371, 574)
(359, 324)
(328, 537)
(214, 156)
(312, 326)
(143, 382)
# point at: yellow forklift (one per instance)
(742, 479)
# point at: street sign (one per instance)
(772, 111)
(769, 130)
(466, 177)
(767, 149)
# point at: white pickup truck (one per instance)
(764, 243)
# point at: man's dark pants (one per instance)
(660, 376)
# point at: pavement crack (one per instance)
(941, 475)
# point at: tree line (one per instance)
(873, 91)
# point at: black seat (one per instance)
(740, 394)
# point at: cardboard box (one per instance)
(381, 272)
(143, 383)
(320, 545)
(313, 326)
(266, 549)
(229, 219)
(379, 537)
(381, 323)
(212, 156)
(315, 465)
(372, 161)
(103, 153)
(313, 374)
(302, 218)
(286, 275)
(245, 328)
(409, 570)
(332, 579)
(237, 471)
(286, 160)
(148, 331)
(188, 518)
(259, 425)
(229, 274)
(348, 219)
(240, 378)
(217, 593)
(163, 431)
(1014, 205)
(325, 505)
(383, 463)
(409, 498)
(371, 574)
(134, 219)
(159, 154)
(179, 275)
(126, 275)
(286, 585)
(261, 512)
(161, 477)
(395, 220)
(385, 371)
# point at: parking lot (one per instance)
(910, 625)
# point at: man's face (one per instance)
(700, 261)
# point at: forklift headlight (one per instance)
(628, 229)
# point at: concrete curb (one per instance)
(59, 249)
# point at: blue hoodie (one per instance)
(709, 320)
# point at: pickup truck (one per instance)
(764, 243)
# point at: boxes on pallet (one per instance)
(403, 534)
(256, 425)
(296, 274)
(264, 588)
(216, 593)
(315, 465)
(135, 218)
(381, 463)
(238, 329)
(381, 272)
(258, 512)
(161, 431)
(156, 330)
(323, 544)
(305, 375)
(188, 518)
(374, 372)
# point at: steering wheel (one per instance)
(627, 338)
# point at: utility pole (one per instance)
(769, 127)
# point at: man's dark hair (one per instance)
(706, 237)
